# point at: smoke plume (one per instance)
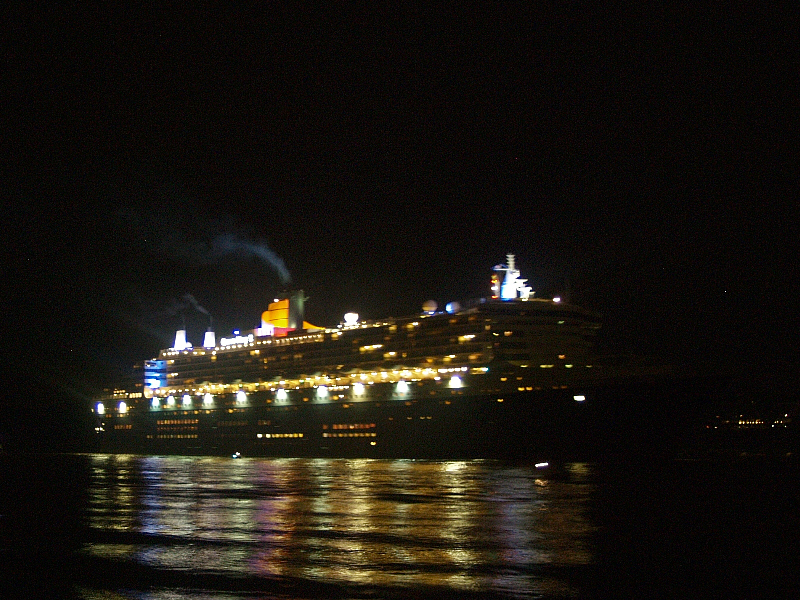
(191, 300)
(230, 243)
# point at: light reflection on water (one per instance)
(477, 525)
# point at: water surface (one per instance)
(154, 527)
(461, 526)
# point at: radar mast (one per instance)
(513, 287)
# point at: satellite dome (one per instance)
(429, 306)
(452, 307)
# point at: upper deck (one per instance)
(540, 332)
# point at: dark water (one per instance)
(106, 526)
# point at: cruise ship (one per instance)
(506, 375)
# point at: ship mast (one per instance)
(513, 286)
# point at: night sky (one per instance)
(641, 163)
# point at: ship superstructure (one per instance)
(463, 381)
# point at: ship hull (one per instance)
(532, 425)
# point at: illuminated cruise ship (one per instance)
(506, 375)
